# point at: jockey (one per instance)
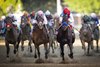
(32, 17)
(94, 19)
(14, 20)
(2, 25)
(49, 18)
(86, 19)
(67, 18)
(40, 13)
(26, 19)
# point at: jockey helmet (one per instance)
(47, 12)
(93, 15)
(10, 15)
(40, 13)
(66, 11)
(25, 13)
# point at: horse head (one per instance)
(9, 24)
(40, 21)
(86, 29)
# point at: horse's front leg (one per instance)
(22, 45)
(83, 46)
(35, 55)
(62, 51)
(46, 51)
(7, 48)
(38, 50)
(71, 50)
(88, 49)
(15, 48)
(30, 42)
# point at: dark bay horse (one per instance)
(12, 35)
(86, 36)
(25, 32)
(66, 36)
(40, 36)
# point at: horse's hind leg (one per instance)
(8, 49)
(62, 51)
(97, 47)
(52, 47)
(22, 45)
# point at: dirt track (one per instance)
(28, 58)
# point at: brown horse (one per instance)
(12, 35)
(40, 36)
(25, 33)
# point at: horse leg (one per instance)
(46, 51)
(8, 49)
(71, 50)
(62, 51)
(92, 47)
(30, 46)
(22, 47)
(52, 47)
(15, 48)
(35, 55)
(97, 47)
(83, 46)
(38, 50)
(19, 39)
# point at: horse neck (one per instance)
(25, 30)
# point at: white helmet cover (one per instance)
(47, 12)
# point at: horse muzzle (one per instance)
(40, 24)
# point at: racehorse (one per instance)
(25, 33)
(86, 36)
(65, 36)
(95, 30)
(12, 35)
(52, 35)
(40, 36)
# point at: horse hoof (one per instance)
(70, 55)
(63, 59)
(31, 51)
(14, 51)
(53, 52)
(7, 56)
(35, 56)
(97, 51)
(46, 57)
